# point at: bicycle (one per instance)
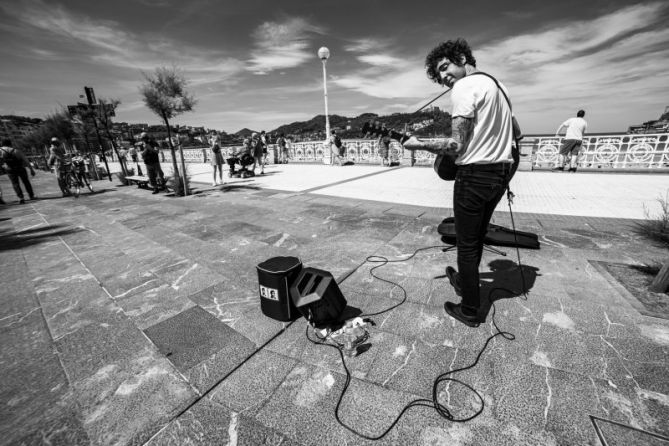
(75, 178)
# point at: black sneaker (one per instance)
(22, 201)
(455, 311)
(453, 277)
(2, 201)
(155, 191)
(572, 169)
(556, 169)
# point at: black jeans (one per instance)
(478, 189)
(154, 171)
(14, 176)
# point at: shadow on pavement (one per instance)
(505, 281)
(238, 187)
(10, 240)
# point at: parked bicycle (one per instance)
(75, 175)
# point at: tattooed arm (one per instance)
(462, 129)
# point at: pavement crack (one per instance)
(608, 329)
(232, 429)
(548, 398)
(447, 389)
(175, 285)
(406, 361)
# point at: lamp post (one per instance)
(323, 54)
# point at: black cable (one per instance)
(421, 402)
(384, 261)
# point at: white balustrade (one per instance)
(609, 152)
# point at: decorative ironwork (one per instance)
(609, 151)
(618, 152)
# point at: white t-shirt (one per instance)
(575, 128)
(477, 96)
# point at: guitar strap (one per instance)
(517, 135)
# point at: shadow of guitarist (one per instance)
(505, 280)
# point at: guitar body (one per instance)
(445, 167)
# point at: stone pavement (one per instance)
(132, 318)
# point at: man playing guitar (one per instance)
(481, 142)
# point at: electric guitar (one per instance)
(444, 164)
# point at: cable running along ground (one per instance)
(434, 403)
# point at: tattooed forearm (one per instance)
(462, 132)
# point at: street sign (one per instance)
(90, 95)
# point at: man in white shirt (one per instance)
(573, 139)
(483, 141)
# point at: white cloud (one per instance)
(367, 44)
(280, 45)
(608, 65)
(614, 66)
(379, 59)
(108, 43)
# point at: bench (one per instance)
(142, 182)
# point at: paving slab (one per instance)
(132, 318)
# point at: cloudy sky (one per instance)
(253, 63)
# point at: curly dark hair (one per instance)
(452, 50)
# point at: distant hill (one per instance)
(431, 122)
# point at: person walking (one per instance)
(59, 159)
(216, 159)
(282, 145)
(336, 148)
(15, 163)
(257, 149)
(573, 139)
(484, 158)
(384, 145)
(265, 144)
(149, 150)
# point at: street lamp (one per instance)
(324, 53)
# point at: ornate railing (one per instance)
(620, 152)
(608, 152)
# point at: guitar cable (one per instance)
(434, 403)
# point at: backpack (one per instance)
(13, 162)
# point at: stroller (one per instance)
(243, 160)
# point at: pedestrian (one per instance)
(265, 143)
(336, 149)
(216, 159)
(133, 153)
(79, 168)
(283, 148)
(572, 142)
(384, 145)
(59, 159)
(485, 163)
(257, 149)
(149, 150)
(15, 163)
(122, 158)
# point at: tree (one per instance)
(102, 114)
(165, 94)
(60, 125)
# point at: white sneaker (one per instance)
(214, 183)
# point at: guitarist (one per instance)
(481, 142)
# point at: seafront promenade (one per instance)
(132, 318)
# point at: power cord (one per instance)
(434, 403)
